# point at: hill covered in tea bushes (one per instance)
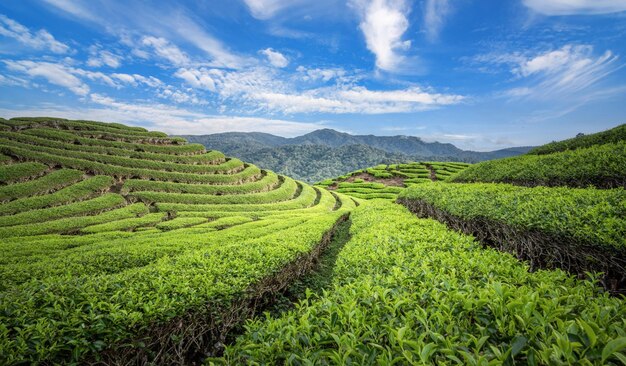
(127, 246)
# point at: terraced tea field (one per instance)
(125, 246)
(109, 230)
(387, 181)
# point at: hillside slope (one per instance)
(561, 206)
(113, 235)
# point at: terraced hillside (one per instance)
(387, 181)
(561, 205)
(590, 160)
(113, 236)
(124, 246)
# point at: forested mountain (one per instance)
(327, 153)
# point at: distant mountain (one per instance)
(409, 145)
(328, 153)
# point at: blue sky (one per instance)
(482, 74)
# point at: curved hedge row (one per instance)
(73, 142)
(577, 229)
(249, 173)
(92, 206)
(84, 125)
(76, 192)
(27, 121)
(208, 278)
(74, 223)
(18, 172)
(182, 150)
(284, 192)
(603, 166)
(229, 166)
(48, 183)
(267, 182)
(307, 197)
(126, 224)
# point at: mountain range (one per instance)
(328, 153)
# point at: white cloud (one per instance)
(72, 78)
(263, 89)
(163, 48)
(38, 40)
(74, 8)
(56, 74)
(551, 74)
(136, 79)
(354, 100)
(434, 17)
(198, 78)
(567, 70)
(383, 23)
(11, 80)
(265, 9)
(325, 75)
(99, 58)
(275, 58)
(195, 34)
(94, 76)
(117, 16)
(571, 7)
(168, 119)
(179, 96)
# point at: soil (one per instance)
(433, 174)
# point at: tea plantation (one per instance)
(387, 181)
(126, 246)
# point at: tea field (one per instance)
(127, 246)
(387, 181)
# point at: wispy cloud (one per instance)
(383, 23)
(41, 40)
(167, 118)
(56, 74)
(435, 13)
(263, 89)
(136, 79)
(567, 70)
(265, 9)
(76, 79)
(118, 18)
(99, 57)
(323, 74)
(275, 58)
(554, 73)
(198, 78)
(163, 48)
(571, 7)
